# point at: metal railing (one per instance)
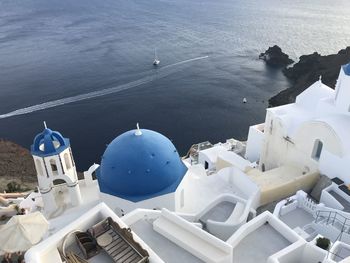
(195, 148)
(332, 217)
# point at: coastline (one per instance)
(307, 70)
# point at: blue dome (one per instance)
(49, 143)
(346, 69)
(138, 167)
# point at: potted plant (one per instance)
(323, 243)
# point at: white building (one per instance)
(203, 208)
(140, 169)
(310, 133)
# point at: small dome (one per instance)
(140, 164)
(49, 143)
(346, 69)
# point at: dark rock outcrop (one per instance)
(307, 71)
(275, 57)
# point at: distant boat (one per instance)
(244, 100)
(156, 60)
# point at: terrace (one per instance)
(299, 213)
(261, 238)
(297, 218)
(340, 251)
(221, 212)
(167, 250)
(124, 245)
(259, 245)
(176, 240)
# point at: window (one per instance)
(206, 165)
(93, 175)
(317, 150)
(39, 168)
(59, 181)
(53, 166)
(67, 161)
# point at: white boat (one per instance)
(156, 60)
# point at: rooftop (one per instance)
(259, 245)
(165, 249)
(297, 218)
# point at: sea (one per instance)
(85, 66)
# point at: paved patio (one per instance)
(297, 218)
(165, 249)
(221, 212)
(259, 245)
(341, 253)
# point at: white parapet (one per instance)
(193, 239)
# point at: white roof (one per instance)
(212, 153)
(235, 159)
(22, 231)
(306, 106)
(310, 97)
(292, 115)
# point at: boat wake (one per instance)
(185, 61)
(161, 73)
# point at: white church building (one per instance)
(312, 133)
(205, 207)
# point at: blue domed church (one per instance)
(140, 169)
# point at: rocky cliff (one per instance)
(16, 165)
(275, 57)
(308, 70)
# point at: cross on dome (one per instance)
(138, 132)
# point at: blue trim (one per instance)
(346, 69)
(47, 138)
(137, 198)
(137, 168)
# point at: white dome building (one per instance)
(140, 168)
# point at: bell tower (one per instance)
(56, 170)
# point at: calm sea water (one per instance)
(51, 49)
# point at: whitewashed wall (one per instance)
(334, 166)
(254, 143)
(121, 206)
